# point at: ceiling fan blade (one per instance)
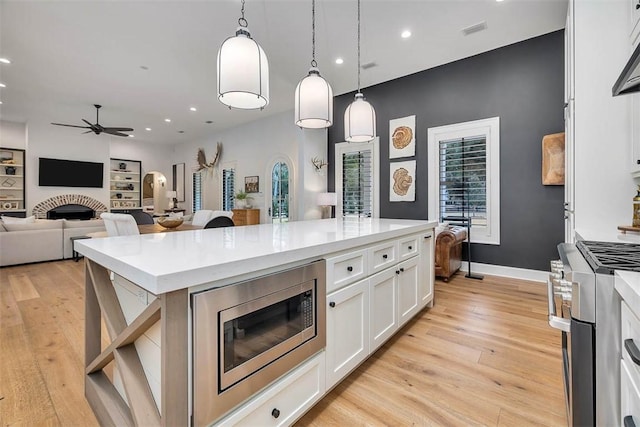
(118, 129)
(71, 126)
(89, 131)
(113, 132)
(89, 123)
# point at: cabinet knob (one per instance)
(384, 256)
(349, 268)
(402, 269)
(410, 247)
(275, 413)
(427, 237)
(638, 6)
(332, 304)
(638, 162)
(397, 271)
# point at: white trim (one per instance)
(349, 147)
(491, 129)
(503, 271)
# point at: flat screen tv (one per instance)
(70, 173)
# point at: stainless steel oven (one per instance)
(584, 305)
(248, 334)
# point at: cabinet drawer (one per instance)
(345, 269)
(630, 330)
(409, 247)
(383, 256)
(629, 395)
(288, 399)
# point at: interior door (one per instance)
(279, 208)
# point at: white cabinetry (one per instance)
(347, 330)
(12, 188)
(627, 285)
(569, 138)
(361, 316)
(284, 402)
(635, 134)
(635, 22)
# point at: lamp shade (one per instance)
(172, 194)
(313, 102)
(327, 199)
(359, 120)
(243, 72)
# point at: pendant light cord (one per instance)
(241, 21)
(358, 46)
(313, 34)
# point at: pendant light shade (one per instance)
(359, 117)
(313, 102)
(359, 120)
(243, 71)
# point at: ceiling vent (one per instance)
(481, 26)
(368, 65)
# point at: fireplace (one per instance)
(71, 212)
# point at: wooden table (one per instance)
(157, 228)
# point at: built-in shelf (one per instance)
(12, 179)
(119, 170)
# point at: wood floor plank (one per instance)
(483, 355)
(22, 287)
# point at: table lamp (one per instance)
(171, 195)
(326, 201)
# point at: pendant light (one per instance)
(360, 117)
(313, 97)
(243, 70)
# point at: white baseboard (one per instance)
(513, 272)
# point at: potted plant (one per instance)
(242, 198)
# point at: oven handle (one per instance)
(555, 321)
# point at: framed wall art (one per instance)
(251, 184)
(402, 181)
(553, 159)
(402, 137)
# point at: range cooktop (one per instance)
(606, 257)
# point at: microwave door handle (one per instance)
(555, 321)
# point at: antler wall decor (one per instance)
(318, 163)
(202, 158)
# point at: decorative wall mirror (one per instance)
(178, 181)
(154, 186)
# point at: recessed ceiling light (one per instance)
(193, 109)
(499, 1)
(405, 34)
(3, 85)
(0, 102)
(167, 120)
(132, 136)
(5, 61)
(339, 61)
(147, 129)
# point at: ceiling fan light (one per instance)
(243, 72)
(313, 102)
(359, 120)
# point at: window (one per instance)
(280, 192)
(228, 188)
(357, 179)
(197, 191)
(464, 176)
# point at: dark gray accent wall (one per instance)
(523, 84)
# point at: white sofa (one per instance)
(42, 240)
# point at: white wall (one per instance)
(13, 135)
(252, 148)
(604, 187)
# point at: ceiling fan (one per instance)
(97, 128)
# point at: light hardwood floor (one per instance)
(484, 355)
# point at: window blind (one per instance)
(228, 186)
(357, 184)
(197, 191)
(463, 179)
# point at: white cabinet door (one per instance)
(635, 22)
(408, 279)
(427, 269)
(383, 307)
(635, 134)
(347, 330)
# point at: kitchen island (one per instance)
(379, 274)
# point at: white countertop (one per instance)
(608, 236)
(628, 286)
(168, 261)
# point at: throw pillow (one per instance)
(14, 220)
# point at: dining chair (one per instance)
(202, 217)
(220, 221)
(119, 224)
(142, 217)
(228, 214)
